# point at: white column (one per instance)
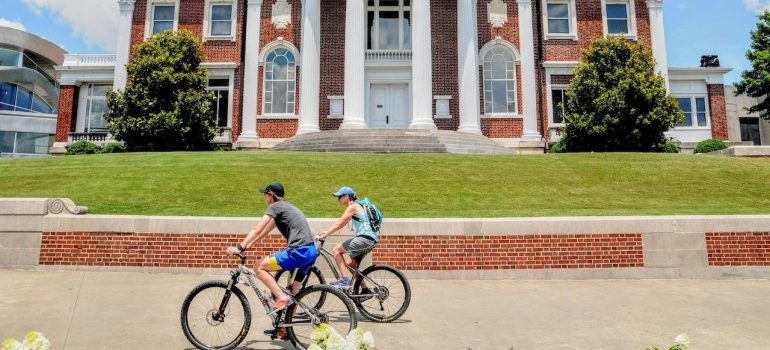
(528, 82)
(422, 67)
(468, 64)
(355, 56)
(248, 137)
(123, 42)
(658, 33)
(310, 76)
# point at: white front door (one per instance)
(389, 106)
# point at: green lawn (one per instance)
(403, 185)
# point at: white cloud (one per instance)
(758, 5)
(15, 24)
(95, 21)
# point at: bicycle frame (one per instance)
(329, 258)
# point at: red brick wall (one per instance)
(444, 46)
(738, 248)
(65, 120)
(147, 249)
(332, 59)
(277, 128)
(718, 110)
(510, 252)
(502, 127)
(404, 252)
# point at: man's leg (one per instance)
(268, 265)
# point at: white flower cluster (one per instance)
(327, 338)
(32, 341)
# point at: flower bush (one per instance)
(327, 338)
(32, 341)
(681, 342)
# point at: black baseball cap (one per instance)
(274, 187)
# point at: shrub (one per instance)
(82, 147)
(670, 147)
(710, 145)
(559, 147)
(617, 101)
(113, 147)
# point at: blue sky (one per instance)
(692, 28)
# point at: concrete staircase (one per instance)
(393, 141)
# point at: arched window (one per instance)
(279, 82)
(499, 81)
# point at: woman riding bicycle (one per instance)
(357, 247)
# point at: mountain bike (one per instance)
(212, 320)
(381, 292)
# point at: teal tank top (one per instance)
(362, 227)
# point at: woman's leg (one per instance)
(339, 250)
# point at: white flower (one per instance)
(368, 341)
(36, 341)
(12, 344)
(335, 341)
(314, 347)
(683, 340)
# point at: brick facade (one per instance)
(68, 104)
(332, 71)
(718, 109)
(738, 248)
(405, 252)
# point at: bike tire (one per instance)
(365, 310)
(185, 310)
(327, 291)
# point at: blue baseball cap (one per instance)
(344, 191)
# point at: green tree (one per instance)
(756, 82)
(617, 102)
(165, 105)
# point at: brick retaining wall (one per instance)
(738, 248)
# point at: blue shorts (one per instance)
(301, 258)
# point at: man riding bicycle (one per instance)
(300, 253)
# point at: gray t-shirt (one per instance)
(291, 223)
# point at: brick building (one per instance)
(286, 67)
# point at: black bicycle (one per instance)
(381, 292)
(211, 320)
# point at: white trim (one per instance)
(278, 116)
(573, 32)
(712, 75)
(219, 65)
(560, 64)
(502, 116)
(498, 41)
(631, 9)
(442, 98)
(149, 15)
(280, 42)
(207, 20)
(331, 99)
(694, 112)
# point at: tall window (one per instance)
(559, 17)
(389, 25)
(221, 89)
(162, 18)
(15, 97)
(96, 106)
(618, 18)
(695, 114)
(559, 100)
(221, 20)
(279, 80)
(499, 82)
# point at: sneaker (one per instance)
(280, 305)
(365, 297)
(279, 333)
(343, 282)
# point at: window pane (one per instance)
(6, 141)
(280, 68)
(32, 143)
(23, 100)
(221, 12)
(388, 36)
(100, 90)
(161, 26)
(9, 58)
(498, 67)
(558, 108)
(219, 82)
(96, 115)
(407, 31)
(7, 96)
(615, 26)
(388, 2)
(558, 26)
(617, 11)
(164, 13)
(221, 27)
(499, 93)
(702, 119)
(558, 11)
(38, 105)
(685, 104)
(700, 105)
(222, 101)
(279, 97)
(370, 32)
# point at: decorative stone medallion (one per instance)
(281, 14)
(498, 13)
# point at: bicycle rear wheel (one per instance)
(388, 299)
(205, 326)
(337, 311)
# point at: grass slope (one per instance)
(403, 185)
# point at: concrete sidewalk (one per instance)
(133, 310)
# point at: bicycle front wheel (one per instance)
(337, 311)
(208, 325)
